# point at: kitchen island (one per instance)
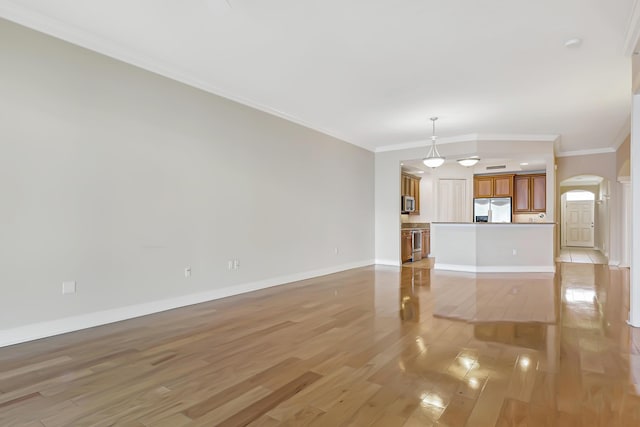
(493, 247)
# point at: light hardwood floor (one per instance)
(375, 346)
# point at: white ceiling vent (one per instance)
(496, 167)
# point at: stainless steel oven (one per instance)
(416, 245)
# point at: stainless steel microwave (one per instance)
(408, 204)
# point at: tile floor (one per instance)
(582, 255)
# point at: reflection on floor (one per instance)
(540, 349)
(381, 346)
(582, 255)
(423, 263)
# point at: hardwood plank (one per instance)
(19, 399)
(347, 406)
(233, 407)
(262, 406)
(303, 417)
(481, 350)
(33, 367)
(201, 408)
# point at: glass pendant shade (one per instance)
(433, 159)
(468, 162)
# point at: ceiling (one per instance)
(372, 72)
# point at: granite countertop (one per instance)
(415, 226)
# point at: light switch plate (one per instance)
(68, 288)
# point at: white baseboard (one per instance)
(497, 268)
(50, 328)
(455, 267)
(394, 263)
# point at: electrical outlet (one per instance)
(68, 287)
(515, 252)
(236, 264)
(336, 251)
(230, 264)
(187, 271)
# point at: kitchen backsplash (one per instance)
(535, 217)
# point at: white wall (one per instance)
(603, 218)
(634, 283)
(118, 179)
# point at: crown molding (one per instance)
(519, 137)
(605, 150)
(633, 29)
(77, 36)
(472, 137)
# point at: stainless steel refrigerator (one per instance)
(492, 210)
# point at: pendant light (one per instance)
(469, 161)
(433, 159)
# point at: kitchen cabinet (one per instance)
(530, 193)
(503, 186)
(407, 247)
(426, 243)
(483, 186)
(493, 186)
(411, 187)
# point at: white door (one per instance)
(452, 200)
(579, 223)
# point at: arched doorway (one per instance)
(584, 219)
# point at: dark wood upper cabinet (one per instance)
(493, 186)
(411, 187)
(503, 186)
(521, 196)
(483, 186)
(539, 193)
(530, 194)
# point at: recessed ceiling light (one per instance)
(401, 164)
(524, 164)
(419, 171)
(574, 42)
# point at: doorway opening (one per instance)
(584, 219)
